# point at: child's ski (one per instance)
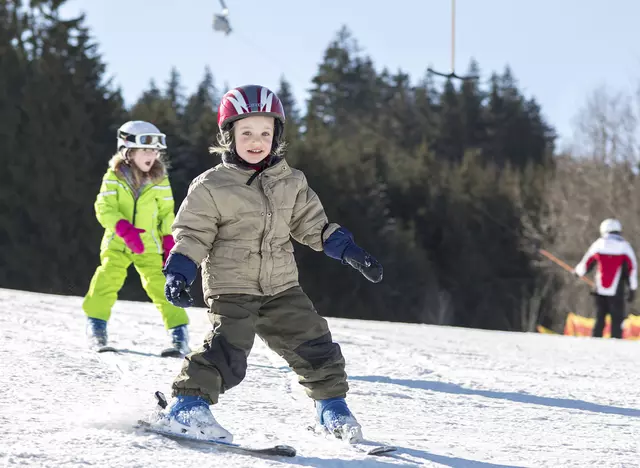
(273, 450)
(365, 446)
(371, 448)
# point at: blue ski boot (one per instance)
(335, 417)
(191, 414)
(96, 333)
(179, 342)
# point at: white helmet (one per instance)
(610, 225)
(141, 134)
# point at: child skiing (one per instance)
(236, 222)
(135, 206)
(617, 268)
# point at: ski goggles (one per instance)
(147, 140)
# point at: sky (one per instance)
(560, 51)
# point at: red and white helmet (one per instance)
(248, 100)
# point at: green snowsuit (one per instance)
(152, 209)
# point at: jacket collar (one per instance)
(274, 169)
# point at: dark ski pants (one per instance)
(287, 322)
(613, 306)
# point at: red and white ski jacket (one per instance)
(614, 257)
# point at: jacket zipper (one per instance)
(135, 206)
(266, 220)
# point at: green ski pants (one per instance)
(110, 276)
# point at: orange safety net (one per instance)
(577, 325)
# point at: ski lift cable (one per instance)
(269, 57)
(221, 23)
(529, 240)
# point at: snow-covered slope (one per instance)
(444, 396)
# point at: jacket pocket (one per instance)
(230, 264)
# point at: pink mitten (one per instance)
(131, 235)
(167, 245)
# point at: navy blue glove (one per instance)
(363, 262)
(341, 246)
(180, 272)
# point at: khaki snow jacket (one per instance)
(240, 234)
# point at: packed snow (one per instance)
(444, 396)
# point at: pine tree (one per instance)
(200, 126)
(63, 136)
(174, 91)
(472, 112)
(285, 93)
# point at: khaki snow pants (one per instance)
(287, 322)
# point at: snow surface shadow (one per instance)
(454, 462)
(445, 387)
(333, 462)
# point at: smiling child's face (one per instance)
(254, 136)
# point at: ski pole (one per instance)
(559, 262)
